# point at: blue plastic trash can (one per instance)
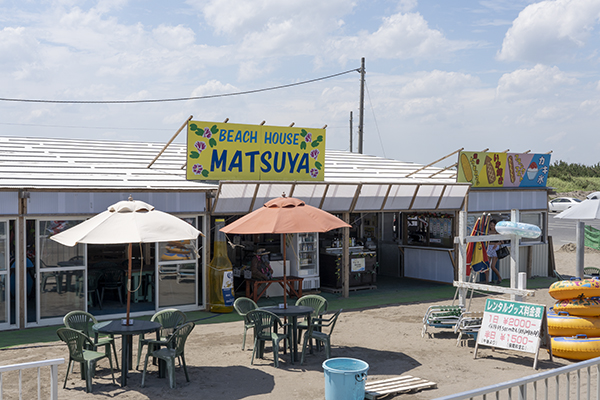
(345, 378)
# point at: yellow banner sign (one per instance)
(503, 169)
(222, 151)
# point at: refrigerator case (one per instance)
(303, 254)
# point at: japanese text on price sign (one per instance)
(511, 325)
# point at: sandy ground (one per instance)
(387, 338)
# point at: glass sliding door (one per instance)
(5, 294)
(61, 273)
(178, 271)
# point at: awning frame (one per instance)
(350, 196)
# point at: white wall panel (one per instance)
(428, 264)
(505, 200)
(93, 203)
(9, 203)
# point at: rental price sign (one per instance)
(512, 325)
(223, 151)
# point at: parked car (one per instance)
(562, 203)
(593, 195)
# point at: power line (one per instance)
(374, 118)
(212, 96)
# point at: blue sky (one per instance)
(441, 75)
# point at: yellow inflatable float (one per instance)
(563, 324)
(584, 307)
(579, 347)
(566, 290)
(175, 257)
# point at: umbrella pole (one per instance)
(129, 254)
(284, 274)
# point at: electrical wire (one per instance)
(375, 119)
(212, 96)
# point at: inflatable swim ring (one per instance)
(565, 290)
(174, 257)
(584, 307)
(579, 347)
(564, 324)
(518, 228)
(175, 249)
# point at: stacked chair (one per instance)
(315, 331)
(265, 330)
(82, 349)
(174, 348)
(243, 306)
(83, 321)
(169, 320)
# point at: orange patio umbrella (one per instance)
(285, 215)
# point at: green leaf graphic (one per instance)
(318, 165)
(214, 129)
(315, 144)
(205, 173)
(212, 142)
(194, 127)
(194, 154)
(320, 138)
(303, 132)
(303, 145)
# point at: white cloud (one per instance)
(528, 83)
(235, 18)
(406, 5)
(400, 36)
(174, 37)
(550, 30)
(213, 87)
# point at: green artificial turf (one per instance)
(389, 291)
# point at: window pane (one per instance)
(3, 246)
(53, 254)
(61, 292)
(533, 219)
(3, 298)
(177, 284)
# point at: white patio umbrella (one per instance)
(587, 209)
(129, 221)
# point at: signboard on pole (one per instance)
(514, 325)
(508, 170)
(225, 151)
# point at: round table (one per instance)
(126, 331)
(293, 312)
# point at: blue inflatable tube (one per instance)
(518, 228)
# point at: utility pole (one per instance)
(350, 131)
(361, 110)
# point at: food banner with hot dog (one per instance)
(485, 169)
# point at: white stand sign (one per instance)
(514, 325)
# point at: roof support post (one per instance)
(346, 257)
(21, 259)
(462, 257)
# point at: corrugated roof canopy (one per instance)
(353, 182)
(244, 197)
(71, 164)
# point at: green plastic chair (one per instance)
(593, 271)
(243, 305)
(265, 324)
(78, 343)
(315, 331)
(83, 321)
(174, 348)
(318, 303)
(169, 320)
